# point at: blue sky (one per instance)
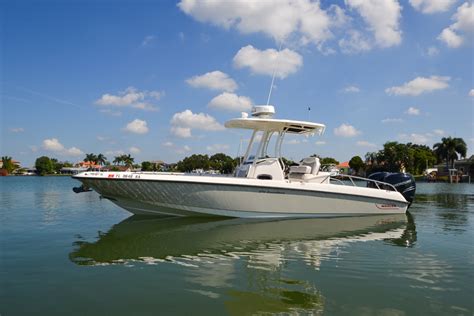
(158, 79)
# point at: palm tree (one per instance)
(449, 148)
(128, 160)
(118, 160)
(8, 164)
(101, 159)
(91, 158)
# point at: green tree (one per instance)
(91, 158)
(118, 160)
(194, 162)
(356, 163)
(44, 166)
(225, 164)
(8, 164)
(101, 159)
(329, 161)
(128, 160)
(147, 166)
(449, 148)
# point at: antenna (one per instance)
(274, 73)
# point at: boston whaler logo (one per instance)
(386, 206)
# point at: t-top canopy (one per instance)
(276, 125)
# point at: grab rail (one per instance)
(378, 184)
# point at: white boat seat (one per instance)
(300, 169)
(313, 163)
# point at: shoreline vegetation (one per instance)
(394, 157)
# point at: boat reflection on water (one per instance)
(220, 251)
(145, 238)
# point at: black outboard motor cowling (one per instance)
(403, 182)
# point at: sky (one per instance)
(158, 79)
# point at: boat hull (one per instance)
(197, 196)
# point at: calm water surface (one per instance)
(65, 253)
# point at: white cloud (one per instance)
(265, 62)
(168, 144)
(355, 42)
(293, 142)
(217, 148)
(183, 122)
(148, 40)
(346, 130)
(450, 38)
(471, 93)
(351, 89)
(230, 102)
(137, 127)
(382, 18)
(432, 6)
(17, 130)
(413, 111)
(73, 151)
(184, 149)
(215, 80)
(182, 132)
(392, 120)
(114, 152)
(320, 142)
(304, 19)
(420, 85)
(439, 132)
(134, 150)
(364, 143)
(54, 145)
(415, 138)
(131, 97)
(463, 23)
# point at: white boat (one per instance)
(261, 187)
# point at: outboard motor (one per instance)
(403, 182)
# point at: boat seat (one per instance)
(300, 169)
(306, 170)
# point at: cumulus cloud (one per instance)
(471, 93)
(266, 62)
(131, 97)
(137, 127)
(432, 6)
(230, 102)
(432, 51)
(364, 143)
(463, 19)
(346, 130)
(413, 111)
(303, 19)
(168, 144)
(355, 42)
(183, 122)
(450, 38)
(215, 80)
(54, 145)
(420, 85)
(134, 150)
(382, 18)
(217, 148)
(351, 89)
(439, 132)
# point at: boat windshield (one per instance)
(261, 146)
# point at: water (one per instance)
(65, 253)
